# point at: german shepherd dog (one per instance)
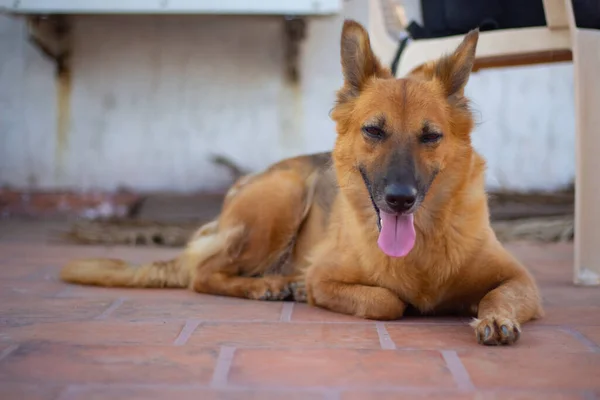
(395, 217)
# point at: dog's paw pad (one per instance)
(495, 331)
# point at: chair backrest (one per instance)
(497, 48)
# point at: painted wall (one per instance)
(152, 97)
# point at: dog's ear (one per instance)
(453, 70)
(358, 61)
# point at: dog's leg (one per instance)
(513, 302)
(352, 298)
(225, 274)
(270, 287)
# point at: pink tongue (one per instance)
(397, 236)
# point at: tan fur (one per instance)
(306, 228)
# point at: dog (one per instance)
(394, 219)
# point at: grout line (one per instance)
(6, 352)
(286, 312)
(64, 293)
(581, 338)
(65, 393)
(186, 332)
(458, 370)
(115, 304)
(588, 395)
(385, 340)
(331, 395)
(219, 379)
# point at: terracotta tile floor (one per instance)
(67, 342)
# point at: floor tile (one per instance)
(333, 368)
(287, 335)
(39, 362)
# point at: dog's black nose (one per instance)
(400, 198)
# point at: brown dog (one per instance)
(396, 216)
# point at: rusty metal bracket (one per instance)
(52, 35)
(295, 32)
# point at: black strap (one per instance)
(396, 61)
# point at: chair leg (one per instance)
(586, 66)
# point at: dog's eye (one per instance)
(373, 132)
(430, 138)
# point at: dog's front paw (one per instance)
(495, 331)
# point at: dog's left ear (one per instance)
(453, 70)
(359, 63)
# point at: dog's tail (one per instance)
(175, 273)
(118, 273)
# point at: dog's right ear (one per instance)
(453, 70)
(359, 64)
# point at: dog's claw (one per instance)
(276, 295)
(488, 333)
(494, 331)
(298, 292)
(266, 295)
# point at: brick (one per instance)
(550, 263)
(339, 367)
(53, 363)
(55, 254)
(14, 288)
(407, 395)
(232, 310)
(500, 395)
(522, 369)
(22, 391)
(28, 308)
(530, 252)
(463, 337)
(16, 269)
(161, 393)
(95, 332)
(537, 395)
(590, 332)
(552, 272)
(63, 203)
(287, 335)
(304, 313)
(166, 294)
(569, 295)
(589, 315)
(431, 336)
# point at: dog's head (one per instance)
(396, 135)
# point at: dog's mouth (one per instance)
(396, 231)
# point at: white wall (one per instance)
(526, 126)
(153, 96)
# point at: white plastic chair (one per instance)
(559, 40)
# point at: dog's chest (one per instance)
(425, 296)
(424, 289)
